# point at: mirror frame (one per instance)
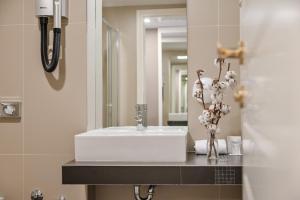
(94, 64)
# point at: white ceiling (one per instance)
(173, 30)
(166, 21)
(113, 3)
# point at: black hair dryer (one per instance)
(55, 9)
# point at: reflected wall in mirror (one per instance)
(144, 62)
(110, 66)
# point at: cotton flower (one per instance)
(220, 86)
(230, 75)
(223, 85)
(203, 121)
(205, 118)
(218, 60)
(230, 78)
(231, 82)
(207, 115)
(197, 90)
(217, 97)
(225, 109)
(210, 93)
(216, 63)
(207, 90)
(214, 107)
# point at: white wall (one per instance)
(167, 57)
(271, 31)
(151, 71)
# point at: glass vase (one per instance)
(212, 147)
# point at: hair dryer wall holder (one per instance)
(56, 9)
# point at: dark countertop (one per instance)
(196, 170)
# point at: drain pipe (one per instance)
(137, 195)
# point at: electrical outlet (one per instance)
(10, 109)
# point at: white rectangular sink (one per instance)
(126, 144)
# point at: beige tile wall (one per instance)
(209, 22)
(272, 42)
(54, 107)
(174, 193)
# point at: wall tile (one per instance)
(230, 36)
(29, 12)
(202, 44)
(230, 193)
(11, 177)
(11, 12)
(44, 173)
(202, 12)
(188, 192)
(11, 61)
(229, 12)
(161, 192)
(114, 192)
(55, 108)
(77, 11)
(202, 52)
(11, 137)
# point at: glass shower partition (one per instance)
(110, 50)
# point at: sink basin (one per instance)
(126, 144)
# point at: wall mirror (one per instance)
(144, 61)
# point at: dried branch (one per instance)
(228, 68)
(199, 73)
(221, 62)
(216, 111)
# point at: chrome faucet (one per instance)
(139, 121)
(141, 116)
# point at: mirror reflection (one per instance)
(144, 65)
(166, 68)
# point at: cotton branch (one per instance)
(199, 73)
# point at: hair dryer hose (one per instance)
(49, 66)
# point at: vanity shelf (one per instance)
(197, 170)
